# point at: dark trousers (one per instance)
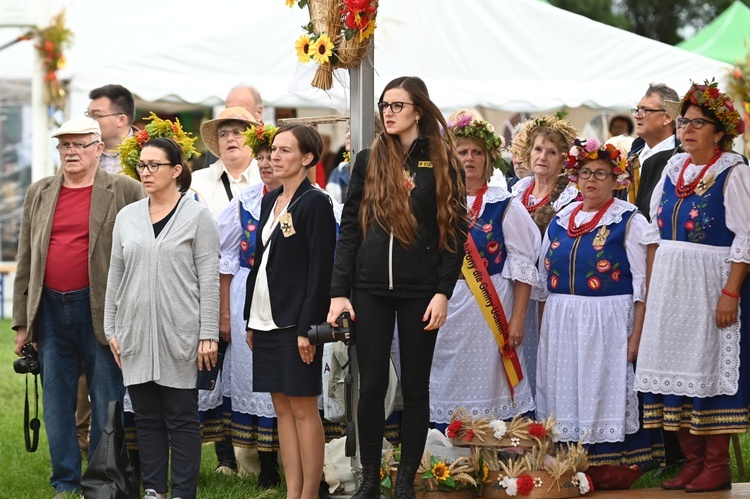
(165, 416)
(376, 317)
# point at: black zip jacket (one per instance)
(379, 263)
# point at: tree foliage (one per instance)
(667, 21)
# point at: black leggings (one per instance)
(376, 316)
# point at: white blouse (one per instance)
(261, 317)
(736, 196)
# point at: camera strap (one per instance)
(350, 445)
(31, 441)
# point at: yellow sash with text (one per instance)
(479, 282)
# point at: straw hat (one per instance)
(210, 128)
(673, 108)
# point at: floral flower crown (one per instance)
(524, 139)
(468, 127)
(587, 150)
(260, 136)
(130, 149)
(708, 96)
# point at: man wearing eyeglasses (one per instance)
(113, 107)
(58, 297)
(655, 129)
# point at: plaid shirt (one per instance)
(110, 160)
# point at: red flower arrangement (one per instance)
(453, 428)
(537, 431)
(469, 435)
(525, 483)
(50, 44)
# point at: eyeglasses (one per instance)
(78, 146)
(96, 116)
(585, 173)
(696, 122)
(396, 107)
(152, 167)
(235, 132)
(638, 112)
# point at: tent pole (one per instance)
(362, 125)
(41, 163)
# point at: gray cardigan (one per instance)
(163, 293)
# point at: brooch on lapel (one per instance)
(600, 238)
(705, 184)
(286, 225)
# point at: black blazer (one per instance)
(299, 266)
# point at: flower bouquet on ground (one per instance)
(437, 474)
(521, 457)
(520, 432)
(547, 471)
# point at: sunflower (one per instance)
(368, 31)
(440, 471)
(322, 49)
(485, 473)
(303, 48)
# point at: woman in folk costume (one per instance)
(695, 351)
(468, 358)
(594, 271)
(542, 143)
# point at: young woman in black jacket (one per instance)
(398, 256)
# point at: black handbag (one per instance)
(109, 474)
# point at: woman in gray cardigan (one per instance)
(161, 315)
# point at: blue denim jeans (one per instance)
(68, 346)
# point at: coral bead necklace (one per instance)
(526, 198)
(685, 190)
(586, 227)
(476, 206)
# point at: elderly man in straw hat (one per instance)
(58, 297)
(224, 136)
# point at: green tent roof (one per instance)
(723, 38)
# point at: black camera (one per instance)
(325, 333)
(29, 363)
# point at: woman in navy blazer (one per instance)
(287, 291)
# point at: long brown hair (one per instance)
(386, 200)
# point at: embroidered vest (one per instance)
(575, 267)
(488, 236)
(695, 219)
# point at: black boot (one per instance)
(405, 481)
(370, 486)
(268, 477)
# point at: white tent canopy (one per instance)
(515, 55)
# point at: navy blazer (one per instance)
(298, 267)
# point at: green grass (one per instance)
(25, 475)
